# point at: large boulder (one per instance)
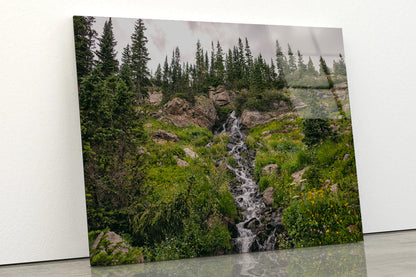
(182, 113)
(177, 106)
(250, 119)
(222, 97)
(270, 169)
(268, 196)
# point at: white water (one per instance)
(247, 197)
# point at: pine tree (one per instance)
(125, 68)
(199, 66)
(158, 75)
(311, 68)
(324, 71)
(219, 64)
(292, 62)
(248, 61)
(106, 53)
(301, 66)
(282, 66)
(85, 37)
(339, 67)
(229, 68)
(139, 59)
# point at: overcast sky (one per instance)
(165, 35)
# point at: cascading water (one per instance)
(248, 198)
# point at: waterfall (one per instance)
(247, 195)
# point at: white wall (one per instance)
(42, 209)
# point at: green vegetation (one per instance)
(322, 207)
(165, 189)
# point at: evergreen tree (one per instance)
(139, 59)
(199, 66)
(106, 53)
(125, 68)
(219, 64)
(273, 74)
(324, 71)
(292, 62)
(282, 66)
(229, 68)
(158, 75)
(248, 62)
(311, 68)
(257, 82)
(301, 66)
(85, 37)
(339, 67)
(176, 70)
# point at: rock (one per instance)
(268, 196)
(250, 119)
(182, 114)
(204, 114)
(265, 132)
(115, 244)
(252, 224)
(190, 153)
(346, 107)
(220, 97)
(148, 125)
(177, 106)
(297, 176)
(334, 188)
(182, 163)
(155, 97)
(341, 86)
(162, 136)
(298, 104)
(346, 157)
(271, 168)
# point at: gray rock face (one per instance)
(222, 97)
(270, 169)
(268, 196)
(182, 114)
(250, 119)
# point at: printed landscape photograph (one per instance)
(205, 139)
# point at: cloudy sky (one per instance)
(165, 35)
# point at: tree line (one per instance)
(235, 68)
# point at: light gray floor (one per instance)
(386, 254)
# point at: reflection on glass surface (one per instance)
(334, 260)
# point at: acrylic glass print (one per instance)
(207, 139)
